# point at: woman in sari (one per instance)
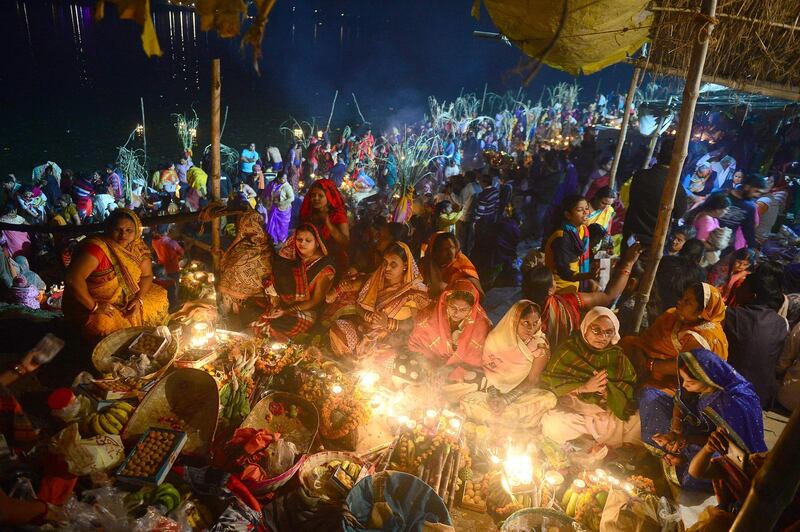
(444, 263)
(451, 333)
(711, 395)
(301, 276)
(245, 266)
(279, 199)
(729, 273)
(514, 356)
(694, 323)
(109, 283)
(384, 308)
(594, 382)
(324, 207)
(566, 251)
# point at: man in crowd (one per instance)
(741, 215)
(247, 160)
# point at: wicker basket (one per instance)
(533, 518)
(118, 342)
(258, 419)
(307, 477)
(188, 395)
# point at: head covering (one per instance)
(459, 268)
(337, 213)
(733, 404)
(247, 261)
(597, 313)
(293, 278)
(713, 304)
(374, 295)
(30, 276)
(433, 337)
(507, 360)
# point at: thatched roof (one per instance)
(754, 47)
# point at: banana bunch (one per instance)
(166, 495)
(110, 420)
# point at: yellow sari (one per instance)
(668, 337)
(118, 286)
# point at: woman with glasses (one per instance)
(594, 382)
(514, 356)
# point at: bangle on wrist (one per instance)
(650, 364)
(94, 308)
(19, 369)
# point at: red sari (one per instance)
(434, 338)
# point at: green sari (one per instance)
(574, 363)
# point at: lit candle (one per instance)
(375, 402)
(277, 346)
(336, 388)
(601, 474)
(455, 423)
(403, 420)
(368, 380)
(554, 478)
(614, 481)
(200, 326)
(411, 424)
(629, 489)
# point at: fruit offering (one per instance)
(148, 344)
(151, 458)
(109, 421)
(345, 474)
(474, 497)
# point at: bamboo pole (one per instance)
(775, 484)
(144, 133)
(704, 26)
(216, 170)
(333, 106)
(623, 130)
(483, 100)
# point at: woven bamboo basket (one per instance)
(307, 476)
(115, 345)
(186, 399)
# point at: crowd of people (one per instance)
(410, 271)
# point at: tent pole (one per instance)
(704, 25)
(623, 130)
(775, 484)
(216, 170)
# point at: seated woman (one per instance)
(324, 207)
(384, 308)
(514, 357)
(694, 323)
(444, 263)
(711, 394)
(594, 382)
(302, 273)
(561, 312)
(109, 283)
(566, 251)
(245, 266)
(451, 333)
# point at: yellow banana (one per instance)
(108, 420)
(123, 406)
(95, 424)
(117, 413)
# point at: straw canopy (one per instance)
(755, 46)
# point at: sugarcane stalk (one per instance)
(450, 488)
(447, 474)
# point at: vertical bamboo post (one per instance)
(483, 100)
(623, 130)
(775, 484)
(651, 148)
(144, 135)
(704, 24)
(216, 170)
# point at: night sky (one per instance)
(70, 87)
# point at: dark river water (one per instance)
(70, 86)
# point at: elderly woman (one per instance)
(444, 263)
(594, 382)
(717, 397)
(245, 266)
(451, 333)
(109, 283)
(694, 323)
(514, 356)
(384, 308)
(301, 276)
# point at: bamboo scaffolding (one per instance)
(704, 25)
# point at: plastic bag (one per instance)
(90, 455)
(282, 454)
(154, 521)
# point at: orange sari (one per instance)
(669, 336)
(459, 268)
(117, 286)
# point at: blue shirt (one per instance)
(249, 154)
